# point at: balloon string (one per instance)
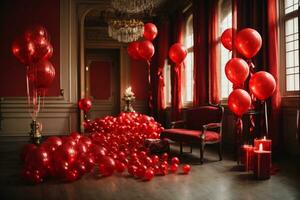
(239, 131)
(28, 93)
(149, 82)
(266, 118)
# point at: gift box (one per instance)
(157, 145)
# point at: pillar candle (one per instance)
(266, 143)
(247, 157)
(262, 163)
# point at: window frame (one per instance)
(282, 18)
(222, 72)
(188, 15)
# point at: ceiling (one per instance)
(161, 7)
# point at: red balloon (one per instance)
(87, 141)
(72, 175)
(33, 176)
(141, 171)
(262, 84)
(149, 174)
(76, 136)
(27, 150)
(175, 160)
(85, 104)
(239, 102)
(43, 49)
(61, 166)
(67, 151)
(82, 149)
(226, 38)
(132, 170)
(23, 50)
(80, 166)
(186, 168)
(41, 74)
(133, 51)
(173, 168)
(150, 31)
(36, 31)
(248, 42)
(120, 167)
(237, 71)
(107, 166)
(52, 143)
(164, 169)
(177, 53)
(146, 49)
(165, 156)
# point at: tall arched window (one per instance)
(187, 77)
(225, 23)
(289, 18)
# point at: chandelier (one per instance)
(125, 30)
(132, 6)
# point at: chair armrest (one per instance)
(178, 124)
(212, 125)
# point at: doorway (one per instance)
(102, 76)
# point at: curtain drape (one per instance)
(206, 53)
(262, 16)
(161, 44)
(177, 24)
(200, 24)
(214, 54)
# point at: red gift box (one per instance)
(266, 143)
(262, 163)
(247, 157)
(157, 145)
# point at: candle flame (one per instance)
(260, 146)
(128, 90)
(264, 138)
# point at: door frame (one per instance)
(83, 10)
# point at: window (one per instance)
(290, 45)
(188, 71)
(225, 54)
(167, 81)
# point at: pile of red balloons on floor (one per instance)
(111, 145)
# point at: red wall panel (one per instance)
(100, 79)
(15, 17)
(139, 79)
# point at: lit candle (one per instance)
(262, 163)
(266, 143)
(247, 157)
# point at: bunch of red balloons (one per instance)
(113, 145)
(143, 50)
(262, 84)
(33, 49)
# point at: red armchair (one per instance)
(202, 125)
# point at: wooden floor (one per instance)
(212, 180)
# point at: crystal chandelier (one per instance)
(125, 30)
(132, 6)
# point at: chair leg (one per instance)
(180, 147)
(220, 151)
(202, 144)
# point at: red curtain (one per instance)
(214, 55)
(262, 16)
(177, 36)
(206, 53)
(200, 24)
(161, 44)
(273, 68)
